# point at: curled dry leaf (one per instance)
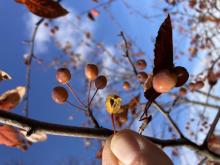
(46, 8)
(4, 76)
(35, 137)
(10, 137)
(10, 99)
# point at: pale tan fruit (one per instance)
(164, 81)
(59, 95)
(91, 71)
(63, 75)
(126, 86)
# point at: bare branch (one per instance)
(98, 133)
(127, 52)
(169, 119)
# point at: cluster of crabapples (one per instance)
(165, 80)
(63, 76)
(141, 76)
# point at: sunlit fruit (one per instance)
(141, 64)
(164, 81)
(91, 71)
(59, 95)
(126, 85)
(101, 82)
(182, 75)
(63, 75)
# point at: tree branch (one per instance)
(212, 128)
(169, 119)
(98, 133)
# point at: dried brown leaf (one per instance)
(10, 137)
(10, 99)
(46, 8)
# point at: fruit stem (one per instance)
(76, 106)
(93, 97)
(74, 94)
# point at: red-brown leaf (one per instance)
(10, 137)
(46, 8)
(163, 52)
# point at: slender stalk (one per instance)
(75, 94)
(76, 106)
(93, 97)
(212, 128)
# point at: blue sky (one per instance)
(16, 26)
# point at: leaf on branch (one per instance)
(35, 137)
(163, 54)
(44, 8)
(163, 51)
(10, 137)
(10, 99)
(4, 76)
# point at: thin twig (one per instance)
(169, 119)
(28, 69)
(212, 128)
(127, 52)
(76, 106)
(75, 94)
